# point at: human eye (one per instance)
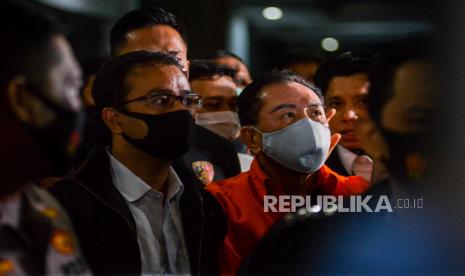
(176, 55)
(192, 100)
(316, 113)
(362, 101)
(159, 100)
(288, 115)
(334, 103)
(241, 82)
(212, 104)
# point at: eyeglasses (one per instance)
(161, 101)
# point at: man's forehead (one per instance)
(230, 62)
(223, 86)
(288, 91)
(153, 38)
(165, 73)
(157, 34)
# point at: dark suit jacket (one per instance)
(107, 230)
(334, 163)
(215, 149)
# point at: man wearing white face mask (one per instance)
(217, 117)
(285, 126)
(215, 83)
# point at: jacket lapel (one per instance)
(96, 178)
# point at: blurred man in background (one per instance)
(345, 83)
(233, 61)
(215, 83)
(150, 29)
(39, 133)
(302, 63)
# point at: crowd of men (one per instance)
(162, 164)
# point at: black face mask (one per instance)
(407, 154)
(59, 140)
(170, 135)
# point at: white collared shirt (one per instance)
(159, 224)
(364, 164)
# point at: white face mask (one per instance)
(302, 146)
(223, 123)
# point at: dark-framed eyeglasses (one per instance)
(161, 101)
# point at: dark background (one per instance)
(239, 26)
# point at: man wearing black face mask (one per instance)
(135, 214)
(39, 133)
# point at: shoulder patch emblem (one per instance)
(6, 266)
(63, 242)
(50, 213)
(204, 171)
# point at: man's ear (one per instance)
(330, 114)
(17, 100)
(334, 140)
(112, 119)
(252, 139)
(336, 137)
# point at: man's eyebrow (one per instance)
(315, 104)
(282, 106)
(159, 90)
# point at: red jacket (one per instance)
(242, 200)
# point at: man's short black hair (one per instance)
(224, 53)
(347, 64)
(27, 48)
(140, 18)
(250, 102)
(110, 85)
(204, 69)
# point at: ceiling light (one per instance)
(330, 44)
(272, 13)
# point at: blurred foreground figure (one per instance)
(285, 126)
(39, 133)
(413, 233)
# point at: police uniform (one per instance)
(36, 237)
